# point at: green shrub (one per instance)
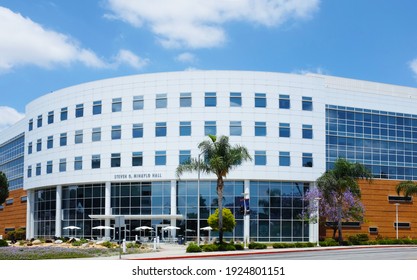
(328, 242)
(3, 243)
(19, 234)
(239, 247)
(193, 248)
(107, 244)
(209, 248)
(358, 239)
(255, 245)
(226, 247)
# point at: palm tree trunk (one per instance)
(220, 185)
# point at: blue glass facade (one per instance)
(385, 142)
(12, 161)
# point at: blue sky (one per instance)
(47, 45)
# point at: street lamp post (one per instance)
(396, 219)
(245, 221)
(198, 200)
(317, 199)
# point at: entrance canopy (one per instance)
(138, 217)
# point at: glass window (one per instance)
(95, 161)
(307, 131)
(115, 160)
(137, 130)
(185, 128)
(30, 125)
(160, 158)
(38, 169)
(96, 134)
(235, 128)
(185, 99)
(137, 159)
(307, 103)
(284, 130)
(284, 101)
(97, 107)
(235, 99)
(307, 159)
(50, 142)
(116, 132)
(116, 105)
(30, 148)
(39, 123)
(260, 128)
(210, 99)
(50, 117)
(260, 100)
(78, 163)
(79, 110)
(78, 137)
(49, 167)
(210, 128)
(260, 157)
(185, 155)
(62, 165)
(138, 102)
(161, 100)
(29, 171)
(284, 159)
(39, 145)
(64, 113)
(63, 139)
(161, 129)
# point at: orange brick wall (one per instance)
(382, 214)
(13, 215)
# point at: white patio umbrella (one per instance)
(72, 228)
(209, 229)
(102, 227)
(142, 228)
(170, 227)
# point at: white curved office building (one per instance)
(111, 147)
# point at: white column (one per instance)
(58, 211)
(30, 207)
(107, 205)
(313, 229)
(246, 218)
(173, 205)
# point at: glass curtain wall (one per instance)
(45, 213)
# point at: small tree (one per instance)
(229, 221)
(408, 188)
(4, 188)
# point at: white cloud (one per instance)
(317, 70)
(413, 66)
(199, 23)
(129, 58)
(186, 58)
(9, 116)
(23, 42)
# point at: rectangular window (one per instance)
(62, 165)
(95, 161)
(138, 102)
(96, 134)
(50, 117)
(137, 130)
(260, 100)
(38, 169)
(185, 99)
(160, 158)
(39, 145)
(185, 155)
(235, 99)
(116, 105)
(210, 128)
(64, 113)
(307, 103)
(284, 159)
(210, 99)
(161, 129)
(307, 160)
(116, 132)
(30, 125)
(50, 142)
(307, 131)
(39, 123)
(97, 107)
(78, 163)
(235, 128)
(161, 100)
(137, 159)
(260, 157)
(63, 139)
(260, 128)
(78, 137)
(29, 171)
(115, 160)
(30, 148)
(185, 128)
(284, 101)
(79, 110)
(49, 167)
(9, 201)
(284, 130)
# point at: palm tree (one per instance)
(220, 158)
(408, 188)
(335, 182)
